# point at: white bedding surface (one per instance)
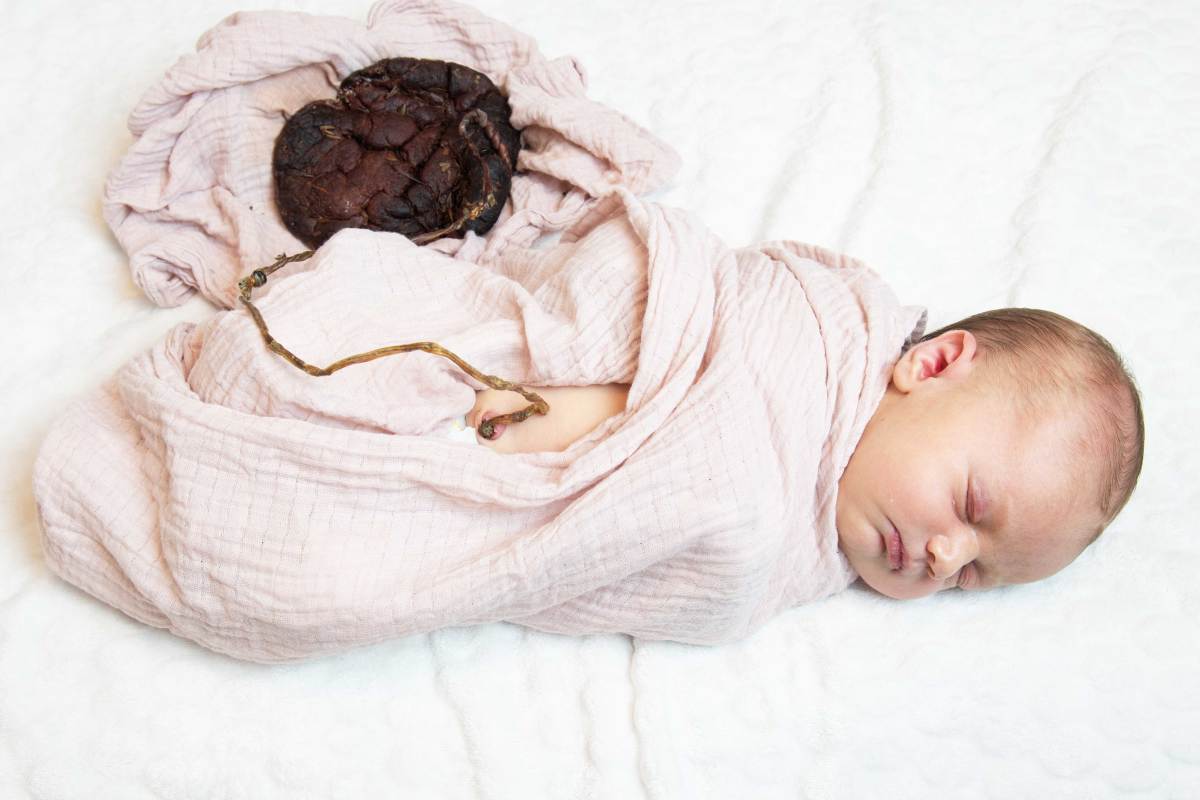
(1042, 154)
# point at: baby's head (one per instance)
(1004, 445)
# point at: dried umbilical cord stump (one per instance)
(415, 146)
(486, 429)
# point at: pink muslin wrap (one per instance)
(213, 489)
(192, 201)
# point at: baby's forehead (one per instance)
(1038, 511)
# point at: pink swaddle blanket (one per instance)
(212, 489)
(191, 202)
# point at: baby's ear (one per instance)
(950, 355)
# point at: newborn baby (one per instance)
(1005, 443)
(756, 428)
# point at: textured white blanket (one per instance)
(975, 154)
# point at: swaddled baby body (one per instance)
(1004, 445)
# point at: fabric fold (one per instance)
(192, 200)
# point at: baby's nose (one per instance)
(948, 553)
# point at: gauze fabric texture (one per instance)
(192, 202)
(215, 490)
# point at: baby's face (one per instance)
(949, 487)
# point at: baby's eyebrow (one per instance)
(994, 506)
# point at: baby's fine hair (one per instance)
(1051, 358)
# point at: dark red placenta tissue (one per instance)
(420, 147)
